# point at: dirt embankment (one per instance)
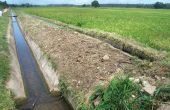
(83, 61)
(78, 57)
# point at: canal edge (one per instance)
(54, 85)
(15, 82)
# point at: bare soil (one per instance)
(79, 58)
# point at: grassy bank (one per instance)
(147, 26)
(6, 101)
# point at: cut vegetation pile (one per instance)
(6, 102)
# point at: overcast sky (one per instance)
(42, 2)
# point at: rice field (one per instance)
(150, 27)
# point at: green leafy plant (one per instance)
(80, 24)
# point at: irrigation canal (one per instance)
(38, 95)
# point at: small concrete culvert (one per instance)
(38, 95)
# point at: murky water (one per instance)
(39, 97)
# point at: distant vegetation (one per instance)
(3, 5)
(157, 5)
(160, 5)
(95, 3)
(147, 26)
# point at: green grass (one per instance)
(147, 26)
(118, 96)
(6, 101)
(0, 6)
(123, 94)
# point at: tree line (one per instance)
(161, 5)
(95, 3)
(3, 4)
(157, 5)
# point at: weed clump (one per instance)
(124, 94)
(80, 24)
(163, 93)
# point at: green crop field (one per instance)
(150, 27)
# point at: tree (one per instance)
(3, 4)
(84, 5)
(168, 5)
(95, 3)
(27, 5)
(158, 5)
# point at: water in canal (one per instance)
(39, 97)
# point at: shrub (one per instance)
(95, 3)
(80, 24)
(158, 5)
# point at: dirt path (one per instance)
(82, 60)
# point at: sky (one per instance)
(79, 2)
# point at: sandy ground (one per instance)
(79, 58)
